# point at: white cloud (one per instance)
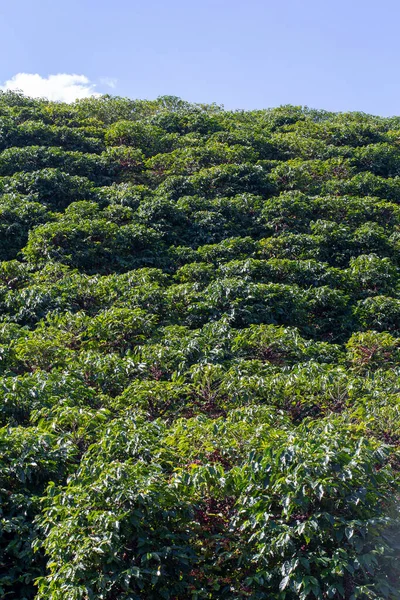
(108, 81)
(63, 86)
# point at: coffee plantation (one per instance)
(199, 352)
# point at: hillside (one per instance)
(199, 352)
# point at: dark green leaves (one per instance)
(199, 352)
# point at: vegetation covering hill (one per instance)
(200, 382)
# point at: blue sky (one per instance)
(341, 55)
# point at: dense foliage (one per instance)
(199, 352)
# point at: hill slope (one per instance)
(199, 352)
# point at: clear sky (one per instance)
(342, 55)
